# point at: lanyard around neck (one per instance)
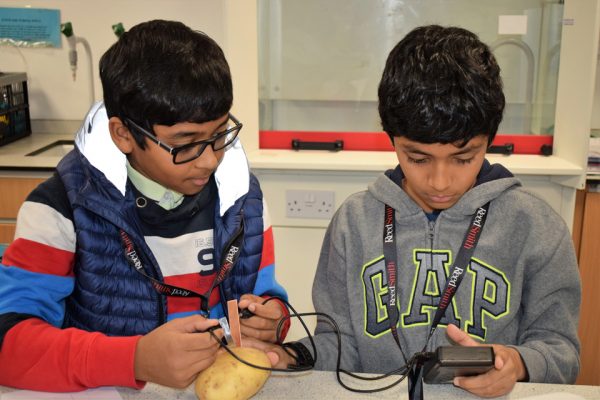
(456, 273)
(228, 260)
(415, 381)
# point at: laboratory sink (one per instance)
(58, 148)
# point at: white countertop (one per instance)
(520, 164)
(323, 385)
(13, 156)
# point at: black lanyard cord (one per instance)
(232, 252)
(457, 273)
(390, 257)
(459, 267)
(228, 260)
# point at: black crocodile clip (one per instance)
(246, 313)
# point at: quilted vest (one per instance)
(109, 295)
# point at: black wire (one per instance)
(403, 371)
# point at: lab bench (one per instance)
(323, 384)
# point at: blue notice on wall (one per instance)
(30, 27)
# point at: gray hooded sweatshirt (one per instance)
(521, 287)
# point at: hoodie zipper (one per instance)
(431, 234)
(431, 225)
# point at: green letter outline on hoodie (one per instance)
(489, 296)
(375, 287)
(497, 305)
(426, 262)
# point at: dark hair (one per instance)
(441, 85)
(163, 72)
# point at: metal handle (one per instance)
(506, 149)
(336, 145)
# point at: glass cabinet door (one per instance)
(320, 62)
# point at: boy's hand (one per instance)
(263, 324)
(174, 353)
(508, 368)
(278, 357)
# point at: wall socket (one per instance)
(319, 204)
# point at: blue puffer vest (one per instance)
(109, 295)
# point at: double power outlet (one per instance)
(317, 204)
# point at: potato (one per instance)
(227, 378)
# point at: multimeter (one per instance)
(448, 362)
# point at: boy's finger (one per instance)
(273, 358)
(247, 299)
(271, 351)
(269, 310)
(198, 342)
(199, 324)
(258, 323)
(257, 344)
(202, 348)
(499, 363)
(487, 385)
(261, 334)
(460, 337)
(191, 324)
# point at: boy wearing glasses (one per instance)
(446, 239)
(126, 256)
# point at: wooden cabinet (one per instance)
(586, 234)
(14, 191)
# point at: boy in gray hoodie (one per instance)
(390, 258)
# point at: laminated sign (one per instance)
(30, 27)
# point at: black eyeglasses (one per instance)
(191, 151)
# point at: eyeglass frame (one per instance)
(204, 143)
